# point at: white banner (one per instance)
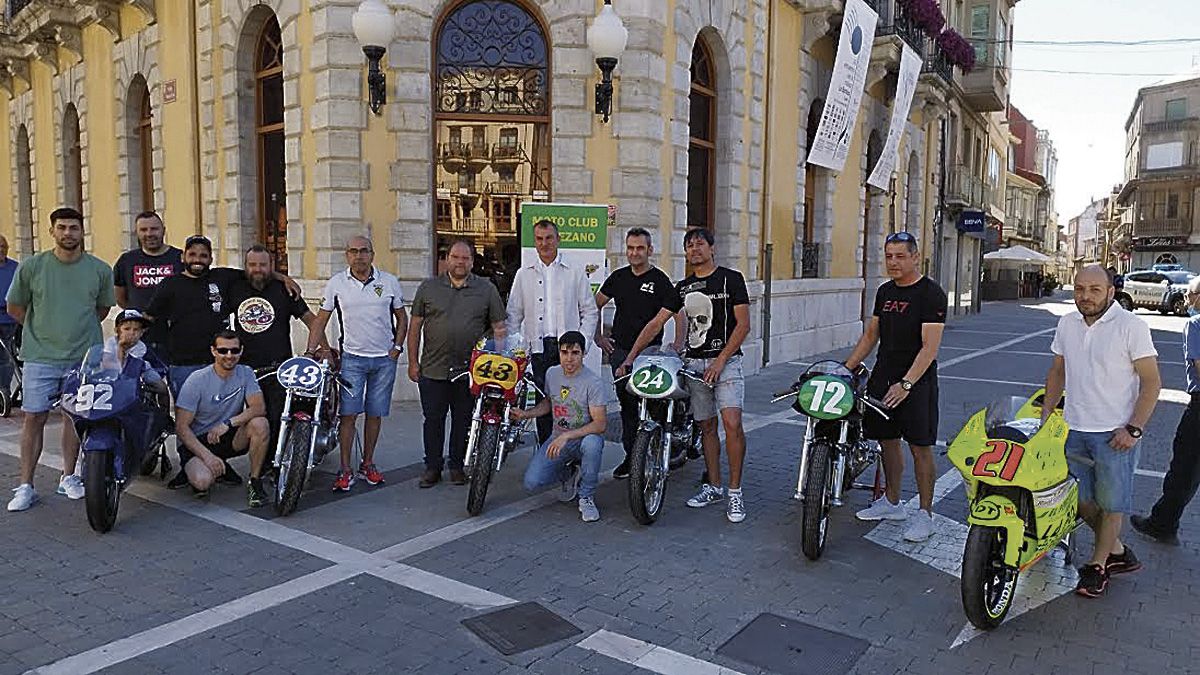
(832, 144)
(906, 86)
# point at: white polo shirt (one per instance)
(1102, 386)
(364, 311)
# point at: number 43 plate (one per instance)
(299, 372)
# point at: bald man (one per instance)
(1105, 358)
(372, 324)
(8, 325)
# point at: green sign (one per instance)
(652, 381)
(580, 226)
(826, 397)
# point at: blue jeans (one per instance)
(587, 451)
(1105, 475)
(370, 380)
(43, 383)
(177, 375)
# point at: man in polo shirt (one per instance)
(549, 297)
(451, 312)
(1104, 357)
(371, 328)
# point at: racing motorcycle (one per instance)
(834, 452)
(119, 424)
(309, 427)
(666, 432)
(1023, 501)
(500, 379)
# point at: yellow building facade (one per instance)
(248, 122)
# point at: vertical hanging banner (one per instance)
(832, 143)
(906, 86)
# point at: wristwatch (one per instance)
(1136, 432)
(398, 348)
(906, 385)
(229, 423)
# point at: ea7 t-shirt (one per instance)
(570, 397)
(709, 303)
(263, 319)
(639, 299)
(901, 311)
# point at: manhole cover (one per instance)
(520, 628)
(783, 645)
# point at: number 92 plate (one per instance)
(299, 372)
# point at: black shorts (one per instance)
(223, 448)
(915, 419)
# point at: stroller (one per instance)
(11, 397)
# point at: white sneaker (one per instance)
(707, 495)
(588, 510)
(882, 509)
(921, 527)
(71, 486)
(24, 496)
(735, 510)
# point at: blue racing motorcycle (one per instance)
(118, 422)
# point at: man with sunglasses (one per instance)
(220, 414)
(907, 324)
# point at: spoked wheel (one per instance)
(293, 467)
(647, 480)
(988, 585)
(485, 465)
(816, 500)
(102, 495)
(6, 403)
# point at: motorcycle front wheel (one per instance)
(488, 444)
(816, 500)
(101, 495)
(988, 585)
(293, 467)
(647, 480)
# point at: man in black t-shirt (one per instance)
(640, 291)
(138, 273)
(909, 316)
(261, 311)
(717, 305)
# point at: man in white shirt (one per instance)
(371, 327)
(1105, 358)
(549, 297)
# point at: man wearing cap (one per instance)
(577, 400)
(907, 324)
(139, 271)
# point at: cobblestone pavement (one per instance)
(381, 580)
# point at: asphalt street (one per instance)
(381, 580)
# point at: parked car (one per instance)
(1164, 291)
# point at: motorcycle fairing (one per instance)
(999, 511)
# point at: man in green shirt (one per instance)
(59, 297)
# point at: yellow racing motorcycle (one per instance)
(1023, 502)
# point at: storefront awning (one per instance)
(1018, 254)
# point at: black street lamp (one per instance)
(374, 27)
(606, 38)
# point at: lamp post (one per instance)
(606, 38)
(374, 27)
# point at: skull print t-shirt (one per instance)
(709, 302)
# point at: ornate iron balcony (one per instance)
(810, 260)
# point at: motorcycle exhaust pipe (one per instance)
(839, 470)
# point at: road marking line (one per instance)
(649, 656)
(463, 528)
(994, 348)
(438, 586)
(950, 330)
(1014, 352)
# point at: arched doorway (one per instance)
(26, 230)
(72, 159)
(809, 248)
(702, 139)
(912, 197)
(272, 187)
(491, 137)
(870, 248)
(139, 151)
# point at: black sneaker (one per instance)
(1149, 529)
(256, 496)
(622, 470)
(230, 477)
(1120, 564)
(1093, 581)
(180, 480)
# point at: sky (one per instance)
(1085, 114)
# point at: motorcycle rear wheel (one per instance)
(988, 585)
(816, 500)
(102, 495)
(647, 480)
(485, 465)
(293, 468)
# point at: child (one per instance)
(130, 324)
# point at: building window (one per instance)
(145, 140)
(492, 74)
(702, 140)
(980, 32)
(139, 150)
(272, 196)
(1176, 109)
(1001, 42)
(26, 231)
(72, 159)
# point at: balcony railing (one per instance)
(810, 260)
(1163, 227)
(936, 62)
(894, 20)
(506, 188)
(965, 188)
(15, 6)
(1181, 124)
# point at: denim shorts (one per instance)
(729, 391)
(1105, 475)
(370, 380)
(42, 383)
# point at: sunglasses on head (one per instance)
(228, 350)
(904, 237)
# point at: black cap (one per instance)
(131, 314)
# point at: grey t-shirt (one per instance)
(570, 397)
(213, 399)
